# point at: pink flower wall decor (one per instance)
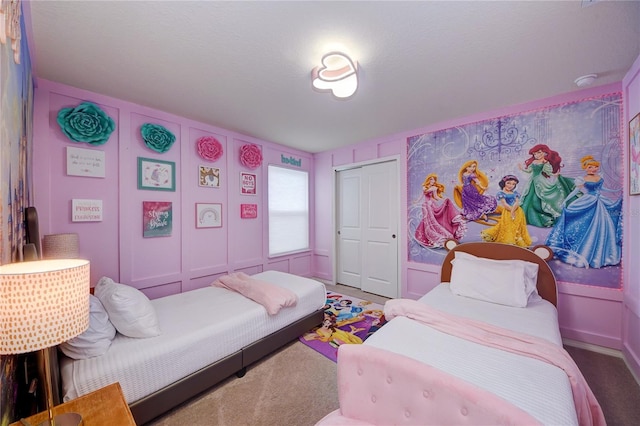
(209, 148)
(250, 156)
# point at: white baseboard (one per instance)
(602, 350)
(593, 348)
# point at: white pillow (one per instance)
(129, 309)
(499, 283)
(96, 339)
(530, 271)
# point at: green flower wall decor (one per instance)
(157, 137)
(86, 123)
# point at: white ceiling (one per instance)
(246, 66)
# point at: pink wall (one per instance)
(631, 308)
(577, 303)
(190, 257)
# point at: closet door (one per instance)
(349, 229)
(380, 229)
(367, 227)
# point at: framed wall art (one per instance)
(208, 215)
(248, 211)
(157, 175)
(209, 177)
(85, 162)
(248, 183)
(157, 218)
(634, 155)
(86, 210)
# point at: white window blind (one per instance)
(288, 210)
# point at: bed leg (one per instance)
(241, 372)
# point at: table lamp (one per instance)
(60, 246)
(42, 304)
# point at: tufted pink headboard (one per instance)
(379, 387)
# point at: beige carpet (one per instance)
(295, 386)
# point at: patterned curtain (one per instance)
(16, 122)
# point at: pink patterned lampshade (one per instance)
(60, 246)
(42, 303)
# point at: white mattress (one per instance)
(198, 327)
(538, 388)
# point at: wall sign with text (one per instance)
(248, 211)
(157, 218)
(86, 210)
(291, 160)
(248, 183)
(85, 162)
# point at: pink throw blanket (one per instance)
(587, 408)
(271, 296)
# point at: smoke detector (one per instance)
(586, 80)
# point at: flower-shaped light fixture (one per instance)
(338, 74)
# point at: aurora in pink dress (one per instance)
(441, 221)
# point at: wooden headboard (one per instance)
(547, 287)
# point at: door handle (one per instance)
(338, 232)
(393, 235)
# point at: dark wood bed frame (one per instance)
(547, 287)
(148, 408)
(151, 406)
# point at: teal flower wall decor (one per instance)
(86, 123)
(157, 137)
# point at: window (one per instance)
(288, 210)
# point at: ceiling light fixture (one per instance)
(338, 74)
(586, 80)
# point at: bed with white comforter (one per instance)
(491, 329)
(198, 329)
(540, 389)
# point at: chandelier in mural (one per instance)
(498, 137)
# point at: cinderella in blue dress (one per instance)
(588, 233)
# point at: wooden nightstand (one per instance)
(105, 406)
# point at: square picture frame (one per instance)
(248, 183)
(156, 175)
(208, 177)
(157, 218)
(634, 155)
(248, 211)
(208, 215)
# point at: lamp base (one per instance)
(65, 419)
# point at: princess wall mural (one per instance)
(552, 176)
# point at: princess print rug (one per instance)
(347, 320)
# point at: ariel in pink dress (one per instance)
(441, 220)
